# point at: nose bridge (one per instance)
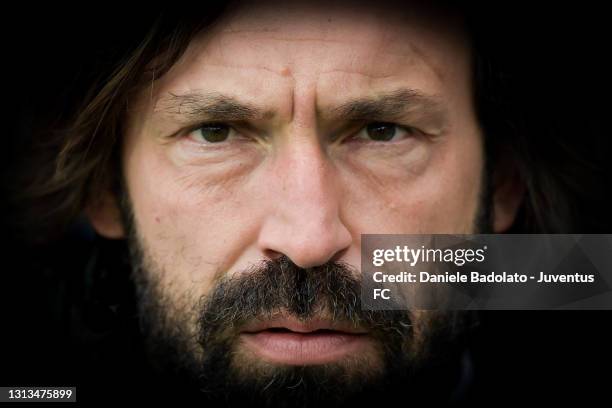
(307, 179)
(304, 223)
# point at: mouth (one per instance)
(294, 342)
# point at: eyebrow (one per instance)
(389, 106)
(202, 106)
(210, 106)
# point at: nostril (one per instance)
(272, 254)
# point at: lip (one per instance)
(294, 342)
(299, 326)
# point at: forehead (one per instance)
(339, 49)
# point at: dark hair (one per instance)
(79, 158)
(534, 121)
(75, 158)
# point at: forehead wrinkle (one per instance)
(412, 56)
(385, 44)
(305, 39)
(427, 60)
(350, 72)
(280, 71)
(287, 70)
(305, 23)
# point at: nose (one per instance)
(304, 220)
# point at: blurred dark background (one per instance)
(559, 54)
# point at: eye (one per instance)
(385, 132)
(212, 133)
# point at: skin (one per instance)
(296, 179)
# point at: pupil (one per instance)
(215, 134)
(381, 131)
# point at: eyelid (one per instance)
(187, 134)
(413, 131)
(240, 132)
(207, 124)
(201, 125)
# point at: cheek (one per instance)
(192, 228)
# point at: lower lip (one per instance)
(304, 348)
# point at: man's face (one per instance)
(281, 135)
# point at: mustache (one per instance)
(279, 286)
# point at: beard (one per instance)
(194, 342)
(198, 345)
